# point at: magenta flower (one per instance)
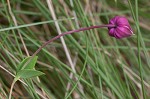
(118, 27)
(122, 27)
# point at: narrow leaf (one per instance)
(30, 65)
(28, 73)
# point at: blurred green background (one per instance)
(104, 67)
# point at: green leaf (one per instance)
(28, 73)
(30, 65)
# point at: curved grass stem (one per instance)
(12, 85)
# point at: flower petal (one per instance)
(111, 32)
(122, 28)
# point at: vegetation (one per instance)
(88, 64)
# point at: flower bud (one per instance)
(122, 27)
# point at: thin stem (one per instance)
(15, 22)
(139, 49)
(84, 66)
(66, 33)
(70, 32)
(12, 85)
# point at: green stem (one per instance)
(139, 50)
(12, 85)
(66, 97)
